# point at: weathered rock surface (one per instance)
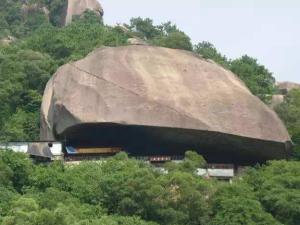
(276, 100)
(136, 41)
(78, 7)
(155, 100)
(7, 41)
(28, 9)
(284, 88)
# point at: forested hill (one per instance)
(123, 191)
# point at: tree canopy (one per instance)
(165, 35)
(121, 190)
(257, 77)
(289, 111)
(208, 51)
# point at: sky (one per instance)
(268, 30)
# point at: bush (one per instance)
(121, 190)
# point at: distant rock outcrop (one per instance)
(7, 40)
(66, 13)
(136, 41)
(154, 100)
(277, 100)
(78, 7)
(283, 89)
(32, 8)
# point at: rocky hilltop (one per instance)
(66, 12)
(168, 99)
(77, 7)
(283, 89)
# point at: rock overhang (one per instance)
(151, 87)
(140, 140)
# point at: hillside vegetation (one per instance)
(125, 191)
(289, 111)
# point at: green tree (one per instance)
(4, 32)
(258, 78)
(24, 74)
(7, 195)
(21, 126)
(165, 35)
(176, 40)
(20, 165)
(192, 161)
(277, 186)
(289, 112)
(144, 28)
(126, 191)
(24, 211)
(208, 51)
(119, 220)
(6, 175)
(237, 204)
(74, 41)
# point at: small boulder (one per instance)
(7, 41)
(276, 100)
(136, 41)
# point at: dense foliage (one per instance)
(289, 111)
(125, 191)
(165, 35)
(21, 18)
(208, 51)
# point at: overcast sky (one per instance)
(268, 30)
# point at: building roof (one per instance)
(39, 150)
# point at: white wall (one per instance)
(16, 147)
(56, 149)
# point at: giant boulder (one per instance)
(159, 101)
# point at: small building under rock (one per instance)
(40, 151)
